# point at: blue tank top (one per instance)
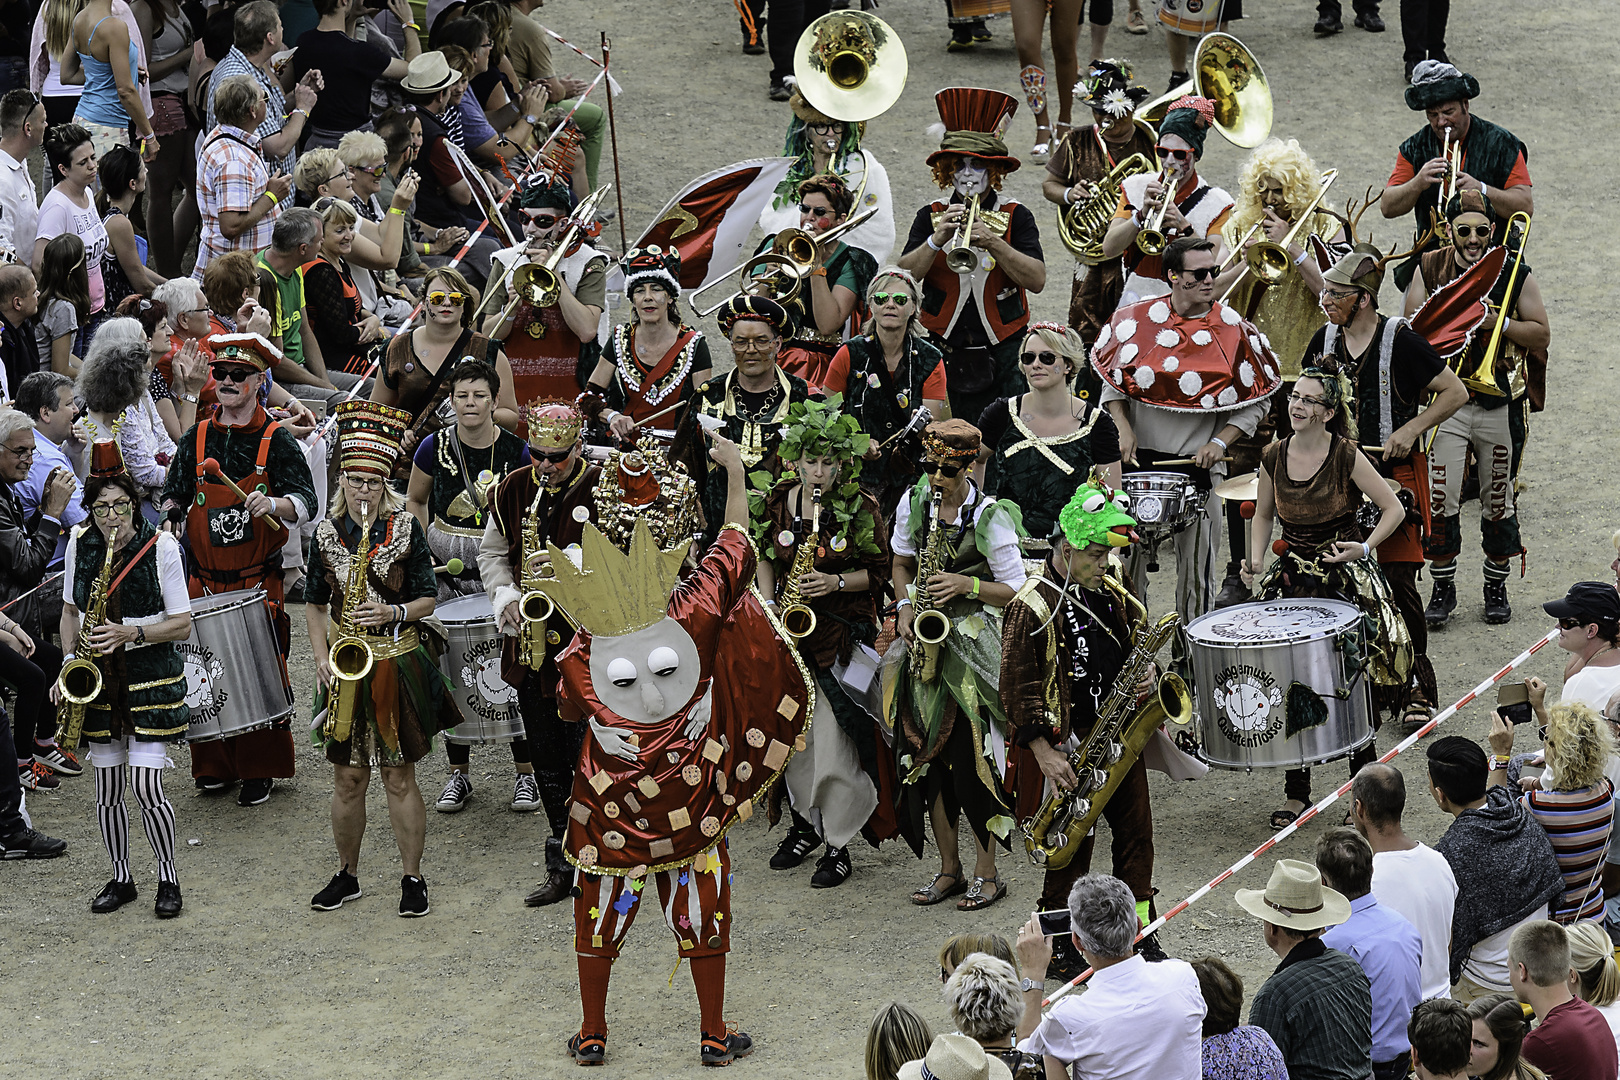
(99, 102)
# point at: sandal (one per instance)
(1415, 717)
(1281, 819)
(975, 900)
(931, 894)
(1043, 147)
(1135, 22)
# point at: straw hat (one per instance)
(1296, 898)
(955, 1057)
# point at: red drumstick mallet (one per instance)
(211, 465)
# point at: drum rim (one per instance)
(214, 603)
(450, 620)
(1351, 610)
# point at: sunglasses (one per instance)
(1167, 152)
(1570, 624)
(898, 299)
(555, 457)
(1029, 359)
(1463, 232)
(439, 296)
(231, 373)
(374, 173)
(116, 508)
(940, 468)
(545, 221)
(816, 211)
(1203, 273)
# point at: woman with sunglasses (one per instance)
(1314, 481)
(945, 721)
(345, 331)
(140, 713)
(1040, 446)
(888, 374)
(820, 144)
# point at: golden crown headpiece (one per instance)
(612, 593)
(553, 425)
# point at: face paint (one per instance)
(972, 180)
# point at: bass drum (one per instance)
(233, 669)
(1281, 683)
(472, 662)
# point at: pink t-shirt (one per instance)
(59, 214)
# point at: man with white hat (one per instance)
(1317, 1005)
(955, 1057)
(445, 199)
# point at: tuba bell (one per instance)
(1226, 72)
(850, 65)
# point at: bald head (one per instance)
(1379, 794)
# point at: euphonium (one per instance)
(1121, 731)
(1082, 226)
(797, 617)
(349, 655)
(81, 682)
(929, 625)
(535, 607)
(960, 256)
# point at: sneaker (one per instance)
(114, 895)
(1150, 950)
(961, 40)
(36, 777)
(343, 887)
(1371, 22)
(781, 90)
(457, 790)
(1442, 603)
(58, 759)
(213, 784)
(526, 792)
(255, 792)
(167, 905)
(1327, 24)
(412, 898)
(294, 594)
(832, 869)
(1497, 608)
(754, 44)
(29, 844)
(798, 843)
(724, 1051)
(981, 33)
(588, 1049)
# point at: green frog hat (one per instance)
(1095, 514)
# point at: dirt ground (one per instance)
(250, 983)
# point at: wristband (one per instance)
(820, 271)
(1366, 550)
(189, 397)
(1304, 254)
(413, 26)
(299, 112)
(427, 249)
(1507, 321)
(1218, 441)
(1500, 761)
(396, 210)
(903, 602)
(975, 592)
(271, 196)
(933, 245)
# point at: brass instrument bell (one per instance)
(850, 65)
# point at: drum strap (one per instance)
(131, 564)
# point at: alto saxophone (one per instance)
(1116, 740)
(535, 607)
(1082, 226)
(929, 625)
(350, 655)
(80, 681)
(797, 617)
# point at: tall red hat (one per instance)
(975, 120)
(106, 459)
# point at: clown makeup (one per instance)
(1180, 165)
(972, 179)
(817, 471)
(475, 405)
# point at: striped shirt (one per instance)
(275, 111)
(1578, 824)
(230, 176)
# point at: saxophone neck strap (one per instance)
(131, 564)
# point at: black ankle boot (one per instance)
(1442, 603)
(1497, 608)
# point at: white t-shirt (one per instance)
(1006, 562)
(1419, 885)
(1611, 1013)
(59, 214)
(1592, 686)
(1487, 960)
(171, 576)
(19, 208)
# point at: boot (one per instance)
(1443, 601)
(1497, 608)
(1233, 591)
(1066, 962)
(559, 880)
(753, 44)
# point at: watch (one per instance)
(189, 397)
(840, 582)
(530, 119)
(1031, 984)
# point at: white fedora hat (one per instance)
(955, 1057)
(1296, 898)
(428, 74)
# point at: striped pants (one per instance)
(696, 902)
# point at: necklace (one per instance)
(765, 409)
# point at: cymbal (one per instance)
(1245, 488)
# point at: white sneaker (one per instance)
(526, 795)
(457, 790)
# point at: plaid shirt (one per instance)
(275, 111)
(1317, 1007)
(230, 176)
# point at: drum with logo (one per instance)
(1281, 683)
(233, 672)
(1191, 18)
(472, 662)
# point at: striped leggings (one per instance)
(157, 815)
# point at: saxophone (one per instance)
(535, 607)
(1082, 226)
(1100, 762)
(81, 680)
(929, 625)
(797, 617)
(350, 655)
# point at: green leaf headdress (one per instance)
(819, 429)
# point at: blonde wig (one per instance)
(1579, 746)
(1278, 160)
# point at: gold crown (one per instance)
(611, 593)
(553, 425)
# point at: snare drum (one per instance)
(233, 668)
(472, 663)
(1161, 502)
(1281, 683)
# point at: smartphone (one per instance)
(1055, 923)
(1513, 702)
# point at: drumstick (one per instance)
(211, 465)
(1184, 461)
(453, 567)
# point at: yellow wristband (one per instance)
(413, 26)
(396, 210)
(271, 196)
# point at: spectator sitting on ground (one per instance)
(1317, 1005)
(1500, 1025)
(1100, 1032)
(1597, 976)
(955, 1057)
(1572, 1040)
(897, 1035)
(1504, 865)
(1388, 948)
(1409, 878)
(1440, 1035)
(1233, 1051)
(985, 1004)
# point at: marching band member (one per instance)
(655, 360)
(820, 144)
(453, 473)
(887, 373)
(547, 501)
(231, 545)
(1082, 158)
(944, 712)
(1485, 422)
(549, 347)
(826, 308)
(141, 709)
(1196, 209)
(819, 508)
(387, 717)
(978, 317)
(1391, 368)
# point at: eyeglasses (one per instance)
(1570, 624)
(375, 172)
(1463, 232)
(1304, 400)
(555, 457)
(752, 346)
(363, 483)
(1179, 155)
(940, 468)
(823, 129)
(231, 373)
(116, 508)
(193, 311)
(816, 211)
(1335, 297)
(1203, 273)
(1049, 359)
(898, 299)
(439, 296)
(21, 451)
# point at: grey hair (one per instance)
(179, 294)
(300, 225)
(235, 99)
(11, 422)
(113, 376)
(983, 997)
(1103, 911)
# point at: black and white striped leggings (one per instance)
(157, 813)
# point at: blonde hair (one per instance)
(961, 946)
(914, 325)
(1284, 161)
(388, 500)
(59, 16)
(983, 998)
(1591, 954)
(1066, 344)
(314, 168)
(342, 211)
(1581, 745)
(358, 146)
(454, 282)
(897, 1035)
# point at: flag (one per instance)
(710, 219)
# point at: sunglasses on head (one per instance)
(1463, 232)
(439, 296)
(948, 471)
(816, 211)
(555, 457)
(1049, 359)
(230, 373)
(1203, 273)
(898, 299)
(1167, 152)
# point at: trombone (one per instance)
(960, 256)
(1268, 260)
(540, 284)
(1483, 378)
(793, 252)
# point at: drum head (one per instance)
(215, 602)
(1273, 621)
(465, 609)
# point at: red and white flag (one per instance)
(710, 219)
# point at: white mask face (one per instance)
(972, 180)
(646, 676)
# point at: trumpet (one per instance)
(1151, 240)
(798, 618)
(960, 256)
(793, 252)
(539, 284)
(1451, 151)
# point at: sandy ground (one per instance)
(250, 983)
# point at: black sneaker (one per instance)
(832, 869)
(114, 895)
(753, 44)
(1370, 22)
(981, 33)
(781, 90)
(29, 844)
(255, 792)
(168, 900)
(961, 40)
(412, 898)
(1150, 950)
(800, 841)
(343, 887)
(588, 1049)
(1497, 608)
(1442, 602)
(1327, 24)
(36, 777)
(724, 1051)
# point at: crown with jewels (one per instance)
(553, 425)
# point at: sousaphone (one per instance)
(1226, 72)
(850, 65)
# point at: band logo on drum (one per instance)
(1247, 698)
(492, 697)
(205, 682)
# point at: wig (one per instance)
(1278, 160)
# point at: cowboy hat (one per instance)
(428, 74)
(955, 1057)
(1295, 898)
